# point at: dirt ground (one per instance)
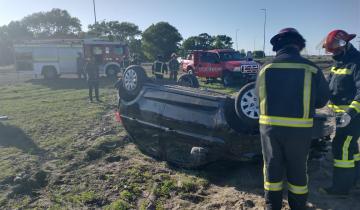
(99, 168)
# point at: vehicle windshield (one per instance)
(231, 56)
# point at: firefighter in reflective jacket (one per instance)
(345, 101)
(159, 67)
(174, 66)
(289, 88)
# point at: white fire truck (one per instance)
(52, 58)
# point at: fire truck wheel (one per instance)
(112, 71)
(188, 80)
(49, 72)
(133, 80)
(246, 105)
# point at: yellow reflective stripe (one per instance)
(355, 105)
(307, 67)
(345, 149)
(299, 190)
(340, 108)
(357, 157)
(307, 94)
(344, 163)
(342, 71)
(273, 186)
(262, 89)
(286, 121)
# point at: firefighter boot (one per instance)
(343, 180)
(273, 200)
(297, 202)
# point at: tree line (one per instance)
(158, 39)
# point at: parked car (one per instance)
(189, 126)
(227, 64)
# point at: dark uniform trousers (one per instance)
(285, 154)
(173, 75)
(346, 156)
(93, 85)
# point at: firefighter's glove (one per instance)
(343, 120)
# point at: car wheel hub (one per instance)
(130, 80)
(249, 105)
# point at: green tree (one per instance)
(206, 42)
(124, 31)
(56, 23)
(160, 38)
(222, 42)
(242, 53)
(13, 32)
(258, 54)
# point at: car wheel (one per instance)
(188, 80)
(226, 79)
(246, 105)
(132, 82)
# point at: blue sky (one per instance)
(313, 18)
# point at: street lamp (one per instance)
(236, 39)
(94, 11)
(264, 28)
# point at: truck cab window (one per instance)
(118, 50)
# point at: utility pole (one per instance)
(236, 39)
(264, 28)
(94, 11)
(254, 43)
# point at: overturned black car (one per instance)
(190, 127)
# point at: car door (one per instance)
(210, 65)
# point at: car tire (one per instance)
(246, 106)
(131, 84)
(226, 79)
(188, 80)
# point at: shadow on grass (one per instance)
(11, 136)
(71, 83)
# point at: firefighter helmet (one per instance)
(285, 37)
(336, 40)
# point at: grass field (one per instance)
(59, 151)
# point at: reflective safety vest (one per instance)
(159, 67)
(266, 83)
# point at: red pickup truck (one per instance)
(226, 64)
